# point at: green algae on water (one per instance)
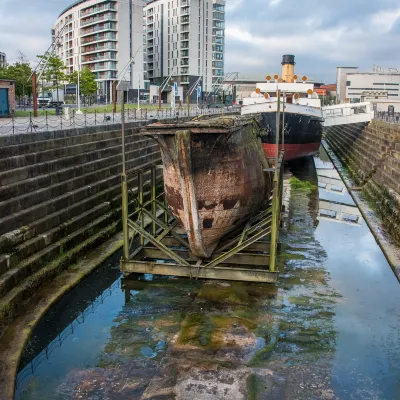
(302, 185)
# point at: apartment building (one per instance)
(3, 59)
(185, 39)
(102, 35)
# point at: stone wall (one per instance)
(59, 198)
(371, 152)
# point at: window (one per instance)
(348, 83)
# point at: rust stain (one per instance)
(213, 176)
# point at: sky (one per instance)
(322, 34)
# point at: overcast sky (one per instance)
(321, 33)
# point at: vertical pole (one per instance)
(141, 197)
(125, 231)
(34, 95)
(278, 116)
(283, 121)
(115, 96)
(275, 196)
(138, 95)
(159, 98)
(153, 198)
(79, 82)
(188, 102)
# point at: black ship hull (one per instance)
(303, 134)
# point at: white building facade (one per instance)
(185, 39)
(341, 78)
(102, 35)
(372, 85)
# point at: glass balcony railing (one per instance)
(99, 9)
(104, 17)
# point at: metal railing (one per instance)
(393, 118)
(48, 122)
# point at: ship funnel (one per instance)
(288, 67)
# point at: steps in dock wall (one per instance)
(372, 155)
(59, 196)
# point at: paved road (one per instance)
(10, 126)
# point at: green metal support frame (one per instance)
(163, 249)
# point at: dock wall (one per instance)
(371, 153)
(59, 198)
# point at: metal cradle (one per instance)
(154, 243)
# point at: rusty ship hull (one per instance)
(214, 177)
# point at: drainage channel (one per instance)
(329, 329)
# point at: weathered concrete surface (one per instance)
(369, 155)
(59, 198)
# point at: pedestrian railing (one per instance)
(48, 122)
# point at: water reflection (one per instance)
(328, 329)
(366, 362)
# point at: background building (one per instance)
(3, 59)
(102, 35)
(185, 39)
(370, 85)
(341, 77)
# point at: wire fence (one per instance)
(45, 123)
(393, 117)
(58, 341)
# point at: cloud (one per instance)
(321, 34)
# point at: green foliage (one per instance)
(302, 185)
(54, 73)
(87, 83)
(20, 73)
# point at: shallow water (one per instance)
(329, 329)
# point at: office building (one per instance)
(185, 39)
(364, 86)
(102, 35)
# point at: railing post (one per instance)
(153, 198)
(274, 224)
(13, 123)
(125, 203)
(141, 198)
(47, 122)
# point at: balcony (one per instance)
(185, 19)
(185, 45)
(184, 3)
(98, 57)
(185, 11)
(184, 71)
(104, 17)
(184, 36)
(185, 28)
(99, 28)
(185, 63)
(99, 38)
(102, 67)
(99, 48)
(150, 20)
(184, 53)
(97, 10)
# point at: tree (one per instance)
(20, 72)
(87, 81)
(54, 72)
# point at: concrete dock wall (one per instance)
(59, 198)
(371, 152)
